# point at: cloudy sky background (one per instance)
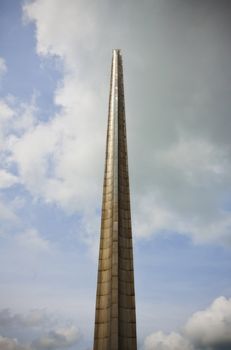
(55, 61)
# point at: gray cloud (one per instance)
(33, 319)
(11, 344)
(35, 331)
(57, 339)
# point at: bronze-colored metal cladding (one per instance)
(115, 318)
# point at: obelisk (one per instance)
(115, 317)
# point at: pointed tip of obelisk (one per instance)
(116, 51)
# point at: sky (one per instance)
(55, 59)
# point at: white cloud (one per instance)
(153, 215)
(182, 178)
(207, 329)
(7, 179)
(210, 328)
(196, 160)
(9, 209)
(3, 67)
(32, 240)
(55, 159)
(161, 341)
(6, 112)
(25, 116)
(6, 115)
(7, 212)
(77, 25)
(181, 181)
(15, 118)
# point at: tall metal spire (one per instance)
(115, 318)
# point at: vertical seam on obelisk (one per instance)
(114, 289)
(111, 168)
(120, 100)
(112, 120)
(119, 144)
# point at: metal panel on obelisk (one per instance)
(115, 318)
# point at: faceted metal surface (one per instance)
(115, 318)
